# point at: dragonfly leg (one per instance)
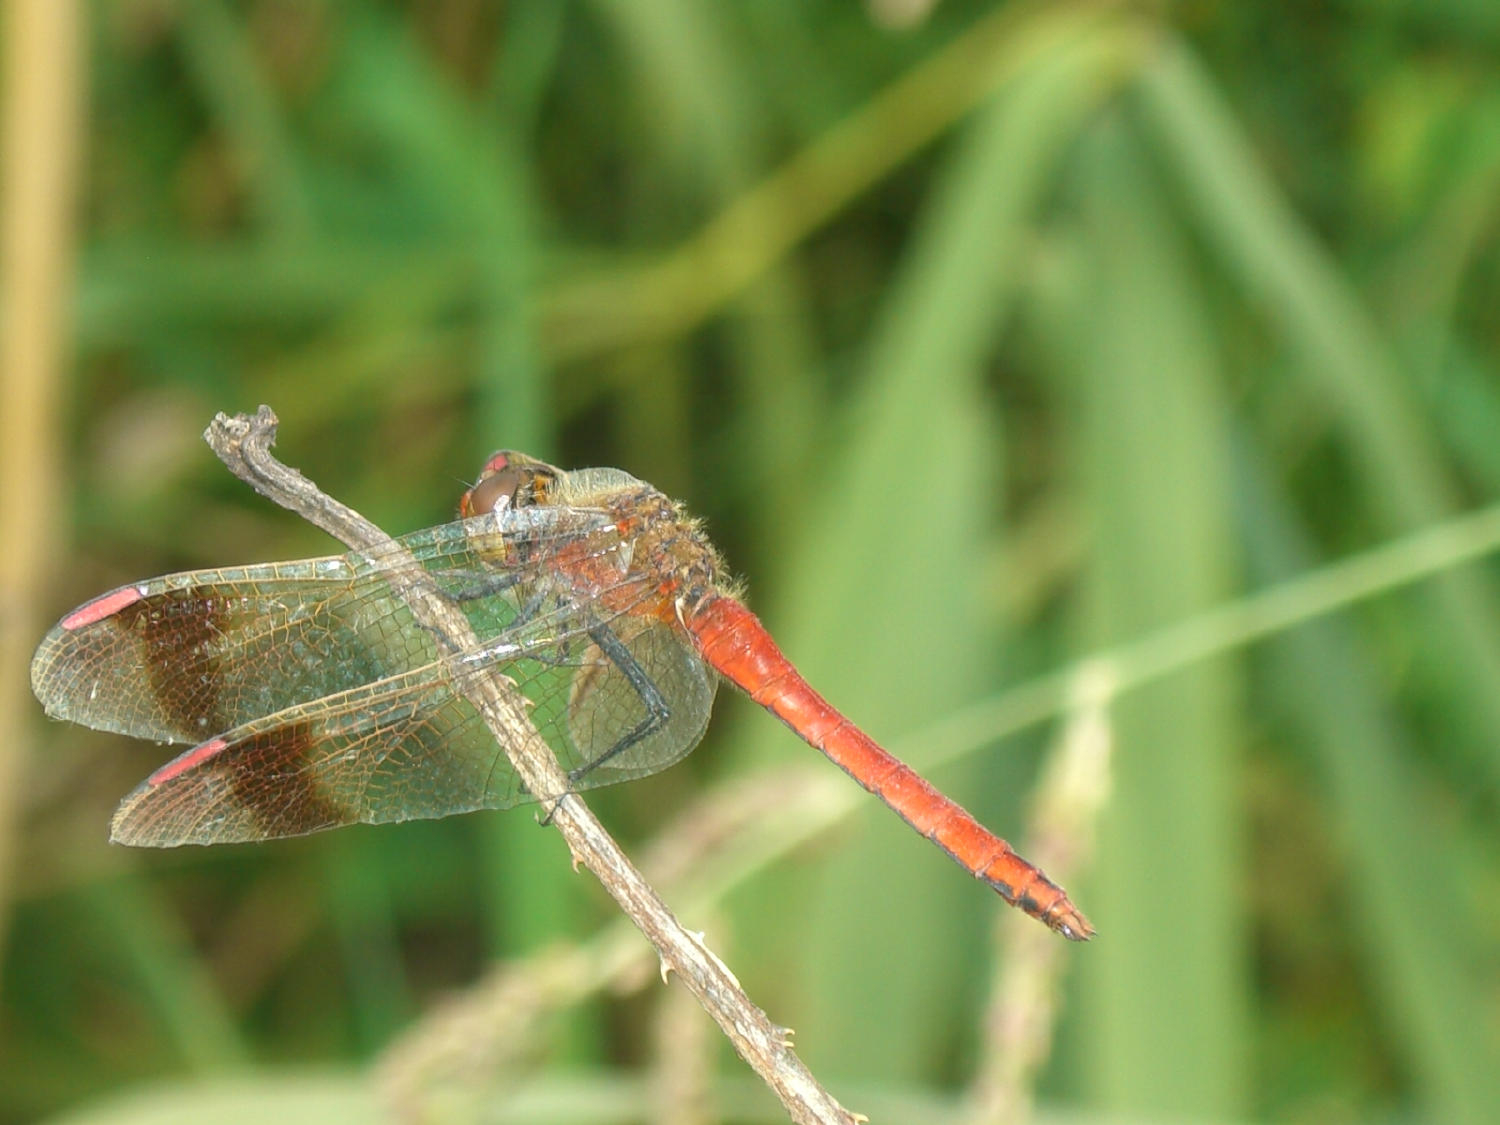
(476, 588)
(657, 711)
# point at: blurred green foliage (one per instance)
(981, 343)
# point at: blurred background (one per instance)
(987, 338)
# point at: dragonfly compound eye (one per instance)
(496, 490)
(510, 480)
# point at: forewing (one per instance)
(181, 657)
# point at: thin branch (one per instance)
(478, 1039)
(43, 43)
(243, 444)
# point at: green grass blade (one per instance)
(1416, 929)
(1348, 370)
(1164, 996)
(174, 982)
(230, 77)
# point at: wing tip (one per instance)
(148, 831)
(133, 828)
(121, 828)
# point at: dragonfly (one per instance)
(311, 697)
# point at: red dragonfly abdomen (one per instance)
(732, 640)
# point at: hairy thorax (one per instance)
(666, 548)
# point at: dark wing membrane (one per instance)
(411, 746)
(181, 657)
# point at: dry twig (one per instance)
(478, 1039)
(243, 444)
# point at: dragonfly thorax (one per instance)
(585, 488)
(657, 540)
(667, 546)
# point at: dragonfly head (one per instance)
(515, 480)
(510, 479)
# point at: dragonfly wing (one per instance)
(316, 766)
(635, 713)
(179, 658)
(411, 746)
